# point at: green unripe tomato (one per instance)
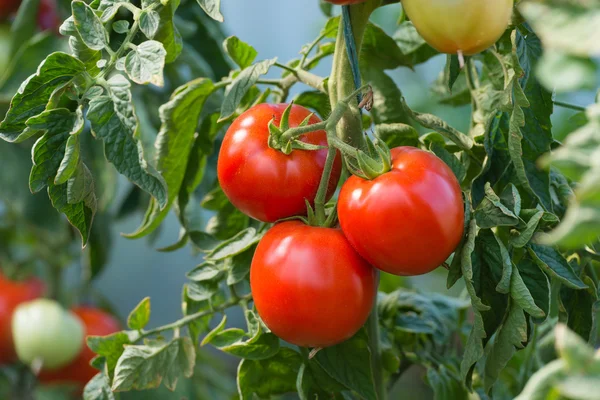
(468, 26)
(45, 332)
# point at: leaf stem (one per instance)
(301, 130)
(569, 106)
(324, 185)
(193, 317)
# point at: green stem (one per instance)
(193, 317)
(323, 186)
(569, 106)
(341, 81)
(301, 130)
(374, 346)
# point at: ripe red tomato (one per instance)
(345, 2)
(470, 26)
(11, 295)
(79, 371)
(48, 18)
(7, 7)
(265, 183)
(309, 285)
(407, 221)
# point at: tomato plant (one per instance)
(290, 187)
(13, 294)
(96, 323)
(407, 221)
(306, 294)
(460, 26)
(46, 334)
(263, 182)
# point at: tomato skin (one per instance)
(407, 221)
(13, 294)
(449, 26)
(265, 183)
(309, 286)
(79, 371)
(43, 330)
(48, 18)
(8, 7)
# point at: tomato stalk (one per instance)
(341, 82)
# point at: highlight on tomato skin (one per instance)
(12, 294)
(97, 323)
(310, 294)
(407, 221)
(265, 183)
(453, 26)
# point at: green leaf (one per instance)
(467, 255)
(145, 64)
(236, 245)
(206, 271)
(525, 235)
(149, 23)
(473, 349)
(349, 363)
(49, 150)
(235, 92)
(566, 73)
(240, 52)
(512, 335)
(273, 376)
(491, 212)
(140, 315)
(260, 346)
(146, 366)
(114, 121)
(495, 255)
(77, 200)
(380, 51)
(522, 296)
(239, 266)
(451, 160)
(121, 26)
(541, 384)
(572, 348)
(98, 389)
(314, 100)
(56, 71)
(387, 103)
(551, 261)
(167, 32)
(397, 134)
(212, 8)
(432, 122)
(199, 325)
(70, 161)
(412, 44)
(444, 385)
(174, 143)
(110, 347)
(537, 283)
(568, 26)
(579, 305)
(89, 26)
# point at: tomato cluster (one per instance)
(37, 330)
(314, 286)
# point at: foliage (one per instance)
(90, 112)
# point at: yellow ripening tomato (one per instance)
(452, 26)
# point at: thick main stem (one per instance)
(341, 81)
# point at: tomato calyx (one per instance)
(280, 139)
